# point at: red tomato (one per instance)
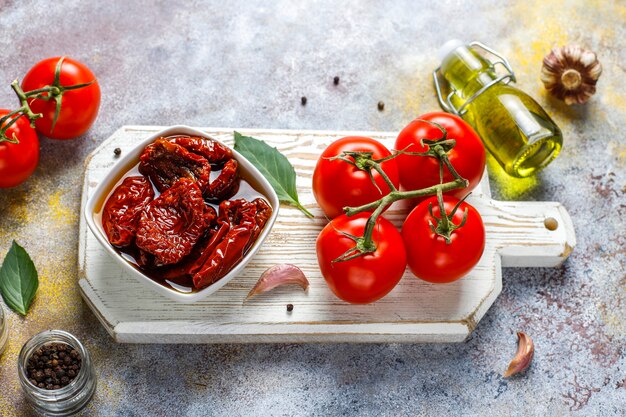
(366, 278)
(467, 156)
(79, 108)
(337, 184)
(18, 160)
(429, 256)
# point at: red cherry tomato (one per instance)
(18, 160)
(79, 107)
(429, 256)
(366, 278)
(467, 156)
(337, 184)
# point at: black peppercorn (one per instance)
(117, 151)
(336, 80)
(303, 101)
(51, 367)
(381, 106)
(290, 307)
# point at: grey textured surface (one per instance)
(246, 64)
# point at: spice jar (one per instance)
(69, 399)
(514, 128)
(4, 331)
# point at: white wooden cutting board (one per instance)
(415, 311)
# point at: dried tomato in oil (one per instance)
(123, 209)
(245, 220)
(165, 163)
(172, 224)
(214, 152)
(225, 185)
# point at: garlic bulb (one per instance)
(570, 73)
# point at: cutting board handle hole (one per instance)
(550, 223)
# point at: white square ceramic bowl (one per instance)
(130, 159)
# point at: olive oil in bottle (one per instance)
(514, 128)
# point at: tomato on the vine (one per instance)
(368, 277)
(467, 156)
(79, 107)
(429, 256)
(18, 160)
(337, 183)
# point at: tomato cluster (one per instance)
(363, 256)
(60, 98)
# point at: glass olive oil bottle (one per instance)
(514, 127)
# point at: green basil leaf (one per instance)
(18, 279)
(274, 166)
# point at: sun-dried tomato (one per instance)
(172, 224)
(123, 209)
(201, 252)
(165, 162)
(214, 152)
(263, 213)
(245, 220)
(225, 185)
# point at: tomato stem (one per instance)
(368, 242)
(444, 224)
(377, 166)
(25, 109)
(3, 130)
(402, 195)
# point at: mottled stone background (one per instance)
(246, 64)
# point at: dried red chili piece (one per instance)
(172, 224)
(123, 208)
(165, 163)
(225, 185)
(245, 220)
(213, 151)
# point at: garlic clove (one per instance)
(570, 74)
(523, 357)
(277, 276)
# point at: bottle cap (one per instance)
(448, 47)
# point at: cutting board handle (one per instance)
(533, 234)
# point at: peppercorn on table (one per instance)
(248, 64)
